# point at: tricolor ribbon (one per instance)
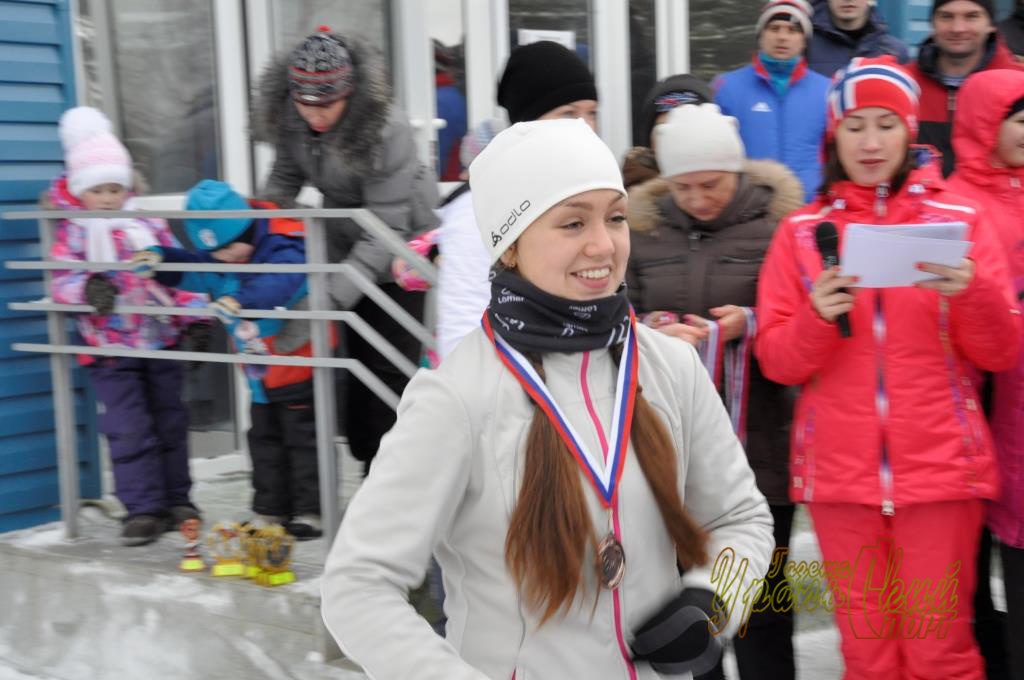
(732, 359)
(603, 473)
(737, 376)
(710, 352)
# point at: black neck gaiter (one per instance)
(534, 321)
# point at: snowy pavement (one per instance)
(222, 491)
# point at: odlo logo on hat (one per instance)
(513, 216)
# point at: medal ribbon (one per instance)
(603, 474)
(737, 376)
(710, 352)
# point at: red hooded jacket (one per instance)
(889, 416)
(986, 99)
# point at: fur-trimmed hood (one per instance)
(786, 192)
(358, 134)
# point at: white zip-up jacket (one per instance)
(446, 480)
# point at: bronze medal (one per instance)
(613, 561)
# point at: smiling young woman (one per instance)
(560, 464)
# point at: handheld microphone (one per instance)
(827, 238)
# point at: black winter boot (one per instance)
(142, 529)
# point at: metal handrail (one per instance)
(319, 316)
(356, 322)
(363, 217)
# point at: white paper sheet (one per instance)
(885, 257)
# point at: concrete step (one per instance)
(91, 608)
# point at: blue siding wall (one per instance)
(36, 85)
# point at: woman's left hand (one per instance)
(731, 320)
(954, 279)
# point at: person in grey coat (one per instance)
(326, 107)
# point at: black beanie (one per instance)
(1015, 108)
(540, 77)
(985, 5)
(681, 89)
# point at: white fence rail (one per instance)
(320, 315)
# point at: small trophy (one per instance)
(275, 556)
(251, 548)
(225, 542)
(192, 560)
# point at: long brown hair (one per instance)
(550, 528)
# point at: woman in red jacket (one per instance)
(890, 449)
(989, 143)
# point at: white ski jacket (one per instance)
(446, 480)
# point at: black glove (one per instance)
(678, 639)
(101, 293)
(196, 337)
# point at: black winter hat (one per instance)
(666, 95)
(540, 77)
(985, 5)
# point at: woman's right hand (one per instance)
(827, 298)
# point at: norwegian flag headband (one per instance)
(878, 81)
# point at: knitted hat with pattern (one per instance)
(321, 70)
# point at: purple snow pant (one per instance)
(146, 425)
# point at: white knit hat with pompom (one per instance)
(92, 154)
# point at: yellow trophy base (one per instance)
(192, 564)
(228, 569)
(277, 578)
(252, 571)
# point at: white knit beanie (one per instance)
(798, 11)
(698, 139)
(92, 154)
(531, 167)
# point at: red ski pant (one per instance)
(904, 601)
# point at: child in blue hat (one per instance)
(282, 437)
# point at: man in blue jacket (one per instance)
(844, 29)
(778, 101)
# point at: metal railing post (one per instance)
(63, 403)
(323, 383)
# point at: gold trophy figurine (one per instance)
(191, 529)
(225, 542)
(251, 548)
(275, 556)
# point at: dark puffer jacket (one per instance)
(683, 266)
(367, 160)
(831, 49)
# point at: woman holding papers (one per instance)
(559, 543)
(989, 142)
(890, 449)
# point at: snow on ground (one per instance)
(222, 489)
